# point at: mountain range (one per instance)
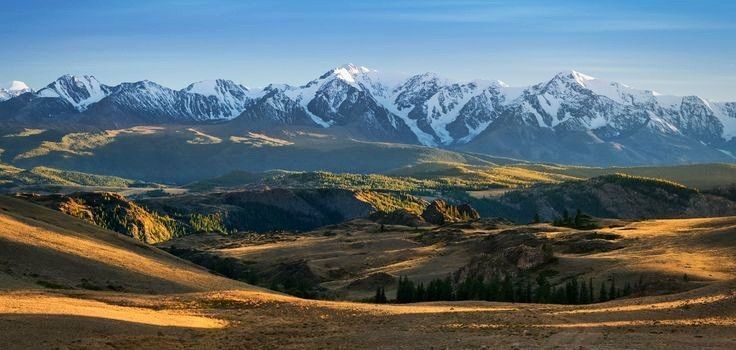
(571, 118)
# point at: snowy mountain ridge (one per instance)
(422, 108)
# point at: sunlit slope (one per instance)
(700, 176)
(465, 175)
(42, 248)
(699, 318)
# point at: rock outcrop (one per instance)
(440, 212)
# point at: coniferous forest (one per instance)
(510, 289)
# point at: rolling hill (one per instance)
(45, 248)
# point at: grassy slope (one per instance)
(14, 176)
(43, 247)
(700, 176)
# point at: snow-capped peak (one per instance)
(574, 76)
(348, 72)
(16, 86)
(500, 83)
(79, 91)
(353, 69)
(214, 87)
(13, 89)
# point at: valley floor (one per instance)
(705, 318)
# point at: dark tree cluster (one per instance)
(436, 290)
(380, 297)
(580, 221)
(509, 289)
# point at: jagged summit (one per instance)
(352, 69)
(78, 90)
(576, 76)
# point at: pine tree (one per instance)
(603, 295)
(432, 289)
(508, 289)
(421, 293)
(446, 292)
(528, 292)
(518, 293)
(400, 294)
(583, 298)
(612, 292)
(590, 290)
(544, 290)
(405, 291)
(571, 291)
(492, 290)
(477, 288)
(380, 296)
(559, 296)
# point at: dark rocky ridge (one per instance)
(440, 212)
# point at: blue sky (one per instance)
(678, 47)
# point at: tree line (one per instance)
(580, 221)
(509, 289)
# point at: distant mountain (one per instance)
(13, 89)
(78, 91)
(146, 102)
(572, 118)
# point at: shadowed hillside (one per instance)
(612, 196)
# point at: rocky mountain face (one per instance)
(572, 118)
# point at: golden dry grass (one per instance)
(64, 251)
(206, 311)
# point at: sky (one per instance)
(675, 47)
